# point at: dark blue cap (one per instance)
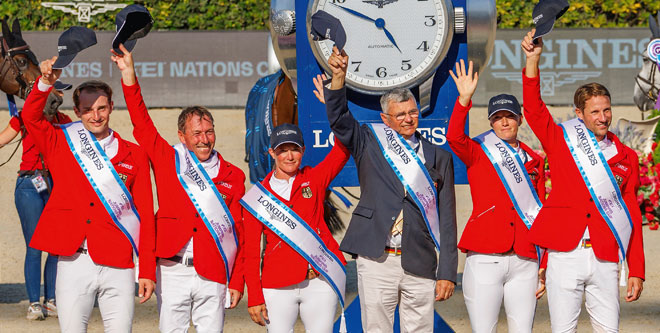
(503, 102)
(545, 13)
(286, 133)
(326, 26)
(132, 22)
(72, 41)
(59, 85)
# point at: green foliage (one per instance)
(581, 14)
(168, 15)
(253, 14)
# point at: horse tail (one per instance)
(258, 125)
(331, 214)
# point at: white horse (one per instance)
(647, 82)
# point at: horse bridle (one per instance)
(8, 58)
(652, 94)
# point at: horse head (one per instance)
(19, 67)
(648, 79)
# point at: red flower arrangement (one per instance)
(648, 197)
(548, 183)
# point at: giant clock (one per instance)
(390, 43)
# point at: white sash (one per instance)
(209, 204)
(105, 181)
(514, 177)
(600, 181)
(286, 224)
(412, 173)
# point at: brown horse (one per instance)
(19, 67)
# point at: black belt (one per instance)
(44, 172)
(188, 262)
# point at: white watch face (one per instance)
(390, 43)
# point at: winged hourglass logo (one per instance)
(379, 3)
(84, 9)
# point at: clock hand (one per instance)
(356, 13)
(389, 35)
(380, 23)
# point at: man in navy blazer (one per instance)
(396, 256)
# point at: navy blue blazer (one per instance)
(382, 198)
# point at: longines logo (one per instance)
(379, 3)
(568, 61)
(550, 80)
(85, 9)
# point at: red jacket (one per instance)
(74, 210)
(569, 208)
(494, 226)
(282, 265)
(177, 219)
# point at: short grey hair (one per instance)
(397, 95)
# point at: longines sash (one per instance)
(412, 173)
(286, 224)
(105, 181)
(209, 204)
(600, 181)
(513, 174)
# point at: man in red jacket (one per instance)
(193, 256)
(100, 210)
(586, 237)
(502, 263)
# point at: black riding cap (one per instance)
(132, 22)
(71, 42)
(326, 26)
(545, 13)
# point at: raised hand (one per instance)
(338, 63)
(48, 74)
(532, 53)
(318, 84)
(466, 82)
(125, 64)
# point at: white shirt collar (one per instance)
(282, 187)
(608, 148)
(212, 165)
(110, 145)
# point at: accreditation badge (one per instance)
(307, 192)
(534, 175)
(123, 177)
(618, 179)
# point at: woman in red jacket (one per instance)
(501, 261)
(32, 191)
(287, 284)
